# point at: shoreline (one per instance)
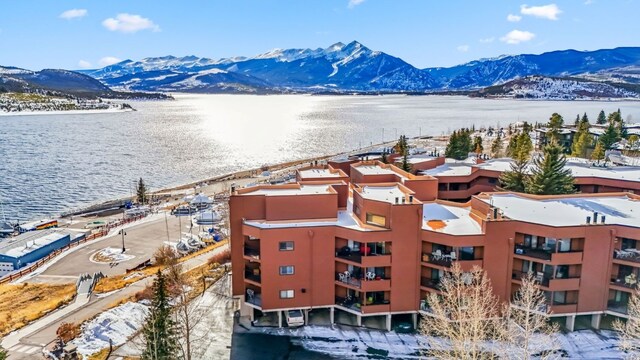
(111, 204)
(65, 112)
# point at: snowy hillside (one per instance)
(353, 67)
(539, 87)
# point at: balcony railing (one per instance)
(532, 252)
(356, 304)
(254, 299)
(351, 256)
(252, 253)
(250, 275)
(540, 279)
(430, 283)
(348, 280)
(630, 281)
(627, 255)
(618, 306)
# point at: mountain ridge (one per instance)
(353, 67)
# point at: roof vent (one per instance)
(397, 200)
(404, 199)
(595, 217)
(588, 220)
(410, 199)
(602, 218)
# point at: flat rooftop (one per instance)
(449, 169)
(319, 173)
(28, 242)
(383, 193)
(287, 191)
(417, 159)
(448, 219)
(375, 170)
(568, 211)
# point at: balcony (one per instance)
(565, 257)
(375, 284)
(253, 299)
(252, 254)
(430, 283)
(348, 280)
(539, 278)
(366, 260)
(253, 275)
(447, 261)
(620, 307)
(356, 305)
(630, 281)
(631, 255)
(565, 308)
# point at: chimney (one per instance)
(588, 220)
(595, 217)
(602, 218)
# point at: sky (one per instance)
(426, 33)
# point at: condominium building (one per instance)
(373, 245)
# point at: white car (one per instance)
(294, 318)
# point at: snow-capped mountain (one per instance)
(541, 87)
(339, 67)
(355, 68)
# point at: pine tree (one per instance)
(585, 119)
(401, 146)
(496, 147)
(465, 144)
(524, 145)
(582, 139)
(577, 120)
(3, 353)
(384, 157)
(159, 330)
(515, 178)
(512, 147)
(406, 166)
(598, 152)
(609, 137)
(548, 174)
(141, 192)
(601, 118)
(477, 145)
(555, 124)
(459, 145)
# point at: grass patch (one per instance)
(21, 304)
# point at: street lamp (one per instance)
(123, 234)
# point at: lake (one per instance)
(52, 163)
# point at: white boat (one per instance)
(183, 210)
(205, 218)
(201, 201)
(183, 248)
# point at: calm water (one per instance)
(51, 163)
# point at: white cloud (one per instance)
(463, 48)
(487, 40)
(550, 11)
(108, 60)
(514, 18)
(354, 3)
(517, 36)
(129, 23)
(73, 14)
(84, 64)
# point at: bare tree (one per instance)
(529, 333)
(465, 316)
(629, 337)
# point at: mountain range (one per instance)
(352, 67)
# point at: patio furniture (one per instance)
(453, 256)
(342, 277)
(370, 275)
(250, 293)
(630, 279)
(347, 275)
(437, 255)
(539, 276)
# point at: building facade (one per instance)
(374, 246)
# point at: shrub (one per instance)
(220, 258)
(68, 331)
(166, 255)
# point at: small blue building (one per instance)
(20, 251)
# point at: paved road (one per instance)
(44, 330)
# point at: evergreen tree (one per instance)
(548, 174)
(384, 157)
(3, 353)
(159, 330)
(406, 166)
(609, 137)
(496, 147)
(512, 146)
(526, 127)
(582, 139)
(141, 192)
(459, 145)
(598, 152)
(555, 124)
(477, 145)
(585, 119)
(401, 146)
(601, 118)
(577, 120)
(515, 178)
(633, 142)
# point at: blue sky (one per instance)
(75, 34)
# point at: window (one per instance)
(493, 181)
(560, 297)
(286, 270)
(467, 253)
(286, 245)
(286, 294)
(374, 219)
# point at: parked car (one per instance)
(403, 327)
(294, 318)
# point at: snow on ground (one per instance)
(117, 324)
(110, 255)
(353, 343)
